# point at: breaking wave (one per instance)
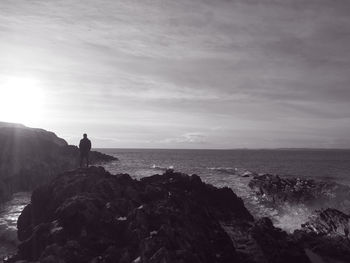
(285, 215)
(232, 170)
(9, 214)
(163, 168)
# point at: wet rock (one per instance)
(329, 222)
(314, 194)
(89, 215)
(327, 234)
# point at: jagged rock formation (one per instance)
(314, 194)
(89, 215)
(30, 156)
(328, 222)
(327, 233)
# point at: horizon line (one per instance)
(222, 149)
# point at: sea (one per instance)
(221, 168)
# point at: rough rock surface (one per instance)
(30, 156)
(327, 233)
(89, 215)
(329, 222)
(314, 194)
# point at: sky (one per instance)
(179, 74)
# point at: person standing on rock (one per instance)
(84, 147)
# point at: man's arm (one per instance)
(89, 145)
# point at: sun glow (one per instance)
(21, 100)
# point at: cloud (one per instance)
(187, 138)
(176, 66)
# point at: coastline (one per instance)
(86, 188)
(226, 174)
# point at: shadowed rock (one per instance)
(276, 244)
(89, 215)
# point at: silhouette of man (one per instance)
(84, 147)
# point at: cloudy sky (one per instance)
(179, 74)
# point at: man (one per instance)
(84, 147)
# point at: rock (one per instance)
(90, 215)
(326, 234)
(276, 244)
(29, 157)
(314, 194)
(329, 222)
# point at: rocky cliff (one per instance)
(30, 156)
(90, 215)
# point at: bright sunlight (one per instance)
(22, 100)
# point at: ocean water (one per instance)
(320, 164)
(9, 213)
(226, 167)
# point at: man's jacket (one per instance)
(85, 145)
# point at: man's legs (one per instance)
(84, 156)
(87, 159)
(81, 160)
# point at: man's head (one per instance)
(85, 135)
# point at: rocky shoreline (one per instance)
(90, 215)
